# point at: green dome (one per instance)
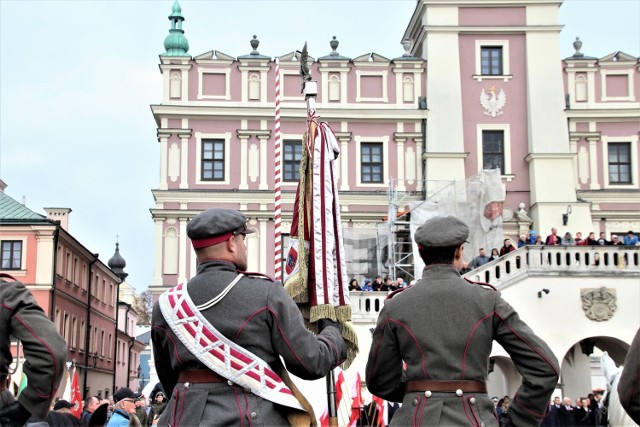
(176, 43)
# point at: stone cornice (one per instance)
(535, 156)
(167, 132)
(632, 112)
(352, 112)
(251, 132)
(444, 155)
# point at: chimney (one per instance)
(3, 185)
(59, 214)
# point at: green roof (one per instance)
(10, 209)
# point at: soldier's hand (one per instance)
(14, 415)
(328, 323)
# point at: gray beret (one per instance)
(216, 225)
(441, 231)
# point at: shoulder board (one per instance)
(397, 291)
(7, 276)
(484, 285)
(252, 275)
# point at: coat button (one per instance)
(482, 424)
(415, 402)
(253, 415)
(458, 392)
(472, 400)
(230, 382)
(427, 393)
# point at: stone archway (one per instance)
(503, 379)
(580, 371)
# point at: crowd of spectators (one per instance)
(378, 284)
(630, 239)
(587, 411)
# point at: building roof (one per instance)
(11, 210)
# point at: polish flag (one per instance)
(356, 404)
(382, 410)
(76, 396)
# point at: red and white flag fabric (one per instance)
(315, 271)
(343, 402)
(357, 403)
(76, 396)
(382, 410)
(66, 395)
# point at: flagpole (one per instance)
(278, 181)
(310, 91)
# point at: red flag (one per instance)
(380, 403)
(324, 418)
(356, 406)
(76, 396)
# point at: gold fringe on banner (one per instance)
(297, 285)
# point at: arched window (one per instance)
(581, 88)
(254, 87)
(407, 89)
(175, 86)
(171, 251)
(334, 88)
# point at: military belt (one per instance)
(464, 386)
(200, 376)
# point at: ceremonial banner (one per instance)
(315, 273)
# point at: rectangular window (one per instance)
(11, 254)
(491, 60)
(371, 165)
(493, 150)
(291, 163)
(212, 160)
(619, 163)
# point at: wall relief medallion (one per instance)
(599, 304)
(493, 103)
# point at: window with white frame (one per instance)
(11, 254)
(292, 154)
(493, 150)
(619, 160)
(492, 60)
(371, 162)
(213, 154)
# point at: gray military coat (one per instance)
(258, 315)
(443, 328)
(44, 349)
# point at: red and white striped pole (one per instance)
(278, 179)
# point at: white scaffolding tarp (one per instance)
(478, 201)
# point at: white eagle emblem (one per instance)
(492, 104)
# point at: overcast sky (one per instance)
(77, 79)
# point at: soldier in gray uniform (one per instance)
(44, 350)
(256, 314)
(443, 328)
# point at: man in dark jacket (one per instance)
(44, 350)
(443, 328)
(253, 315)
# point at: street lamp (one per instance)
(95, 359)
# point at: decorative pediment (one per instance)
(213, 55)
(371, 57)
(618, 57)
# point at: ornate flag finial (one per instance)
(305, 74)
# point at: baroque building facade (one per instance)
(481, 85)
(76, 290)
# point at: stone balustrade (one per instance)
(526, 261)
(576, 260)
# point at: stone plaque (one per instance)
(599, 304)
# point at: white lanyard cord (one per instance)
(222, 294)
